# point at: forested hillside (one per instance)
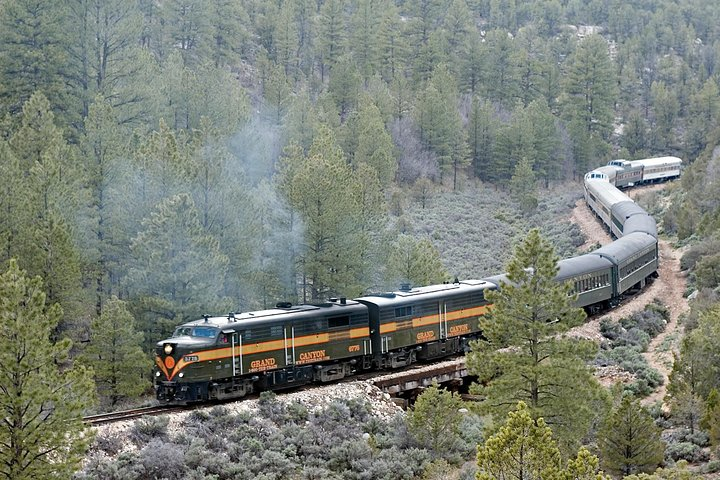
(273, 142)
(162, 159)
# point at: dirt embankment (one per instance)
(668, 288)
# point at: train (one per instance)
(629, 173)
(233, 355)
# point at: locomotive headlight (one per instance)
(157, 374)
(181, 374)
(168, 349)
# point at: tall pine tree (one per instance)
(115, 354)
(42, 434)
(629, 441)
(590, 88)
(178, 270)
(547, 372)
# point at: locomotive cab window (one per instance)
(339, 322)
(206, 332)
(203, 332)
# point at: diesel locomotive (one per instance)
(232, 355)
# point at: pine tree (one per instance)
(102, 53)
(301, 121)
(704, 113)
(42, 434)
(711, 417)
(278, 93)
(524, 449)
(32, 54)
(666, 108)
(482, 130)
(229, 31)
(285, 39)
(12, 214)
(415, 261)
(103, 151)
(344, 86)
(375, 147)
(515, 141)
(457, 26)
(634, 138)
(546, 372)
(441, 129)
(115, 355)
(501, 75)
(391, 48)
(321, 187)
(701, 350)
(364, 25)
(190, 93)
(523, 185)
(187, 28)
(178, 270)
(682, 396)
(547, 161)
(331, 35)
(629, 441)
(584, 467)
(371, 221)
(161, 164)
(45, 245)
(590, 88)
(472, 63)
(425, 17)
(305, 19)
(530, 134)
(434, 420)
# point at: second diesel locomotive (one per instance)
(230, 356)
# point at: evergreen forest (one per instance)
(165, 159)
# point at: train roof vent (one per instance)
(382, 295)
(283, 305)
(405, 287)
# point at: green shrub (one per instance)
(149, 428)
(686, 451)
(610, 329)
(712, 466)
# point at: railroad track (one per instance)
(132, 414)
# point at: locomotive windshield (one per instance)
(205, 332)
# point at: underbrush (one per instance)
(626, 340)
(277, 441)
(474, 229)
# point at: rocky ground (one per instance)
(313, 399)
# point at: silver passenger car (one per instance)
(591, 277)
(635, 256)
